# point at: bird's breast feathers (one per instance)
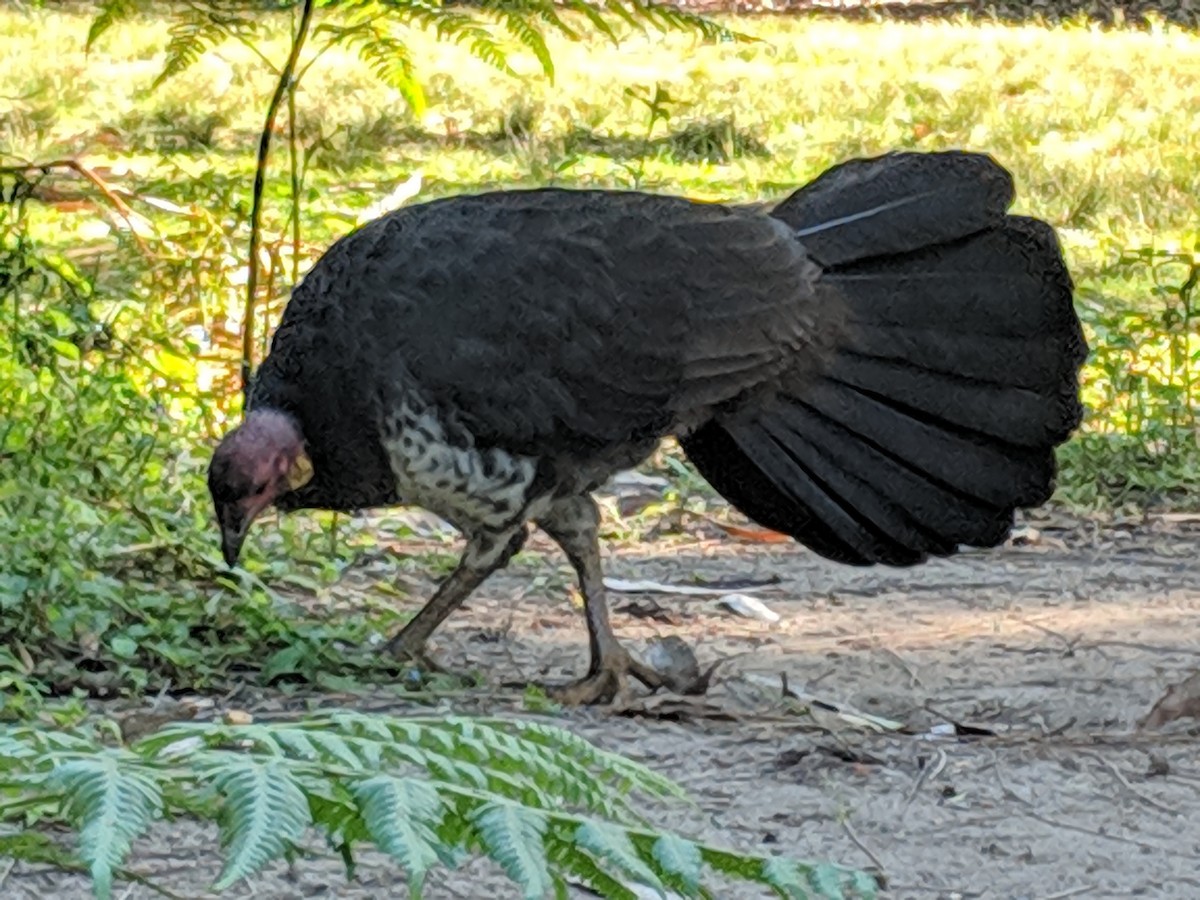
(440, 469)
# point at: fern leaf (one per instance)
(671, 18)
(525, 766)
(569, 858)
(746, 868)
(613, 845)
(392, 64)
(348, 753)
(785, 876)
(565, 743)
(402, 815)
(285, 741)
(190, 39)
(518, 25)
(110, 13)
(111, 799)
(595, 18)
(264, 811)
(827, 881)
(864, 884)
(680, 859)
(13, 750)
(513, 836)
(464, 29)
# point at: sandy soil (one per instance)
(1056, 646)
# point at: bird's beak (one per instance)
(235, 521)
(233, 532)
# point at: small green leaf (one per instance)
(123, 646)
(63, 348)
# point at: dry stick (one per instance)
(928, 773)
(850, 833)
(914, 679)
(260, 174)
(1071, 826)
(1149, 801)
(79, 168)
(294, 166)
(1070, 892)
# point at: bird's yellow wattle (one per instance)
(300, 473)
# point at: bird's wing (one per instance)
(550, 320)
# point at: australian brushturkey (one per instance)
(880, 366)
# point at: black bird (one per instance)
(880, 366)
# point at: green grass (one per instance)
(1098, 129)
(1095, 127)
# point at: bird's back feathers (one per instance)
(580, 326)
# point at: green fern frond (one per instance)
(519, 26)
(680, 859)
(633, 775)
(111, 798)
(390, 61)
(551, 765)
(264, 811)
(190, 39)
(14, 751)
(402, 816)
(39, 742)
(425, 790)
(512, 836)
(461, 28)
(595, 18)
(786, 877)
(613, 844)
(109, 14)
(831, 881)
(667, 17)
(569, 859)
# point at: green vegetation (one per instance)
(123, 306)
(119, 358)
(545, 805)
(122, 274)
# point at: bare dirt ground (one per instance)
(1055, 647)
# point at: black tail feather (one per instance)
(955, 377)
(851, 211)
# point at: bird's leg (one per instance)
(574, 525)
(484, 554)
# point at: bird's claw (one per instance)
(608, 684)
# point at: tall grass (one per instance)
(1093, 124)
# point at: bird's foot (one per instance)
(609, 682)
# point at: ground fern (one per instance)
(548, 807)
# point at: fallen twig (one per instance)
(850, 833)
(109, 194)
(1149, 801)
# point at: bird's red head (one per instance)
(255, 464)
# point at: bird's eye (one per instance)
(258, 488)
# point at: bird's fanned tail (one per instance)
(954, 376)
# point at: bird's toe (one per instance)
(610, 683)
